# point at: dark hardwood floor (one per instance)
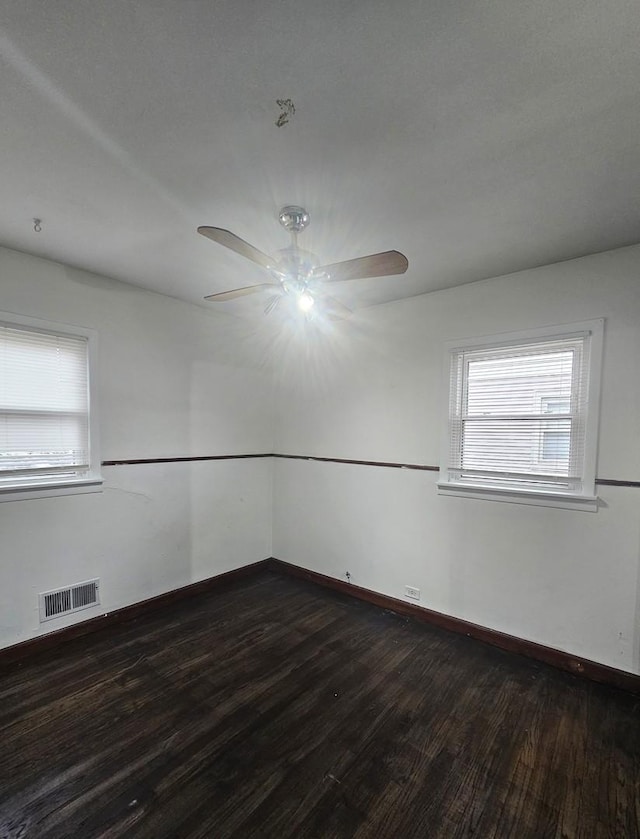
(277, 709)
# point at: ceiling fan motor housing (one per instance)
(294, 218)
(296, 269)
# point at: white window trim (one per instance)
(92, 480)
(585, 501)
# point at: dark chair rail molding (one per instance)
(193, 459)
(14, 655)
(386, 464)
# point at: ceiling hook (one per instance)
(37, 225)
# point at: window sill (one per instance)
(565, 501)
(51, 489)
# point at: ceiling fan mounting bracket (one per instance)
(294, 218)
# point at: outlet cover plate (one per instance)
(412, 592)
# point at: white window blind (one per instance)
(44, 405)
(518, 415)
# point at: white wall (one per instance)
(174, 380)
(373, 391)
(178, 380)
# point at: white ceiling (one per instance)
(479, 138)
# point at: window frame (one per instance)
(45, 486)
(586, 499)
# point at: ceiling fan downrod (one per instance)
(300, 264)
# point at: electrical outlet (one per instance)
(412, 592)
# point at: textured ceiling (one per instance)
(478, 138)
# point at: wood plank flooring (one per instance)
(277, 709)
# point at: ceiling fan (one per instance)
(296, 275)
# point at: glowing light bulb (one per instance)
(305, 301)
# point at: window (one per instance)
(48, 440)
(522, 416)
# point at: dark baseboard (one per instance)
(34, 646)
(557, 658)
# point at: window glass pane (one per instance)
(512, 385)
(42, 372)
(506, 397)
(507, 446)
(554, 405)
(556, 446)
(46, 440)
(44, 402)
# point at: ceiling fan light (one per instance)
(305, 302)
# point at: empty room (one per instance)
(319, 419)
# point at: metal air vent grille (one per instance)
(63, 601)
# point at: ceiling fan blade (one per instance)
(222, 296)
(235, 243)
(334, 309)
(375, 265)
